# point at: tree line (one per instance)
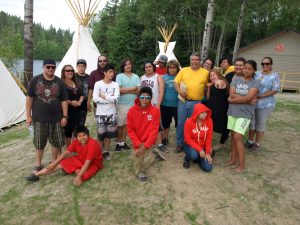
(128, 28)
(47, 43)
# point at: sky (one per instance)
(46, 12)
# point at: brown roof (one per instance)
(269, 37)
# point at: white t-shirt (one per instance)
(151, 82)
(106, 106)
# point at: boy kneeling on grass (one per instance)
(86, 163)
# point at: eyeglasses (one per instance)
(145, 97)
(69, 71)
(172, 67)
(50, 67)
(100, 61)
(267, 64)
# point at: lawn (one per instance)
(267, 194)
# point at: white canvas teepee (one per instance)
(167, 47)
(12, 107)
(83, 46)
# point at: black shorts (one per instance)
(167, 113)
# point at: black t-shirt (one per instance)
(84, 79)
(74, 94)
(47, 97)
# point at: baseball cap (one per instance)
(163, 59)
(81, 61)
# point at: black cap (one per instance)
(49, 61)
(81, 61)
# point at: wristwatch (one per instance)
(65, 117)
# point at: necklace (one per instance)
(72, 85)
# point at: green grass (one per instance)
(16, 132)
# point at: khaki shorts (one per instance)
(239, 125)
(122, 111)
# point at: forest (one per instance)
(128, 28)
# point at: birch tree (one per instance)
(239, 30)
(28, 41)
(207, 29)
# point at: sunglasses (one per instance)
(69, 71)
(145, 97)
(100, 61)
(267, 64)
(50, 67)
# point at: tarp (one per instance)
(83, 47)
(12, 99)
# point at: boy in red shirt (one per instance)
(142, 126)
(86, 163)
(198, 130)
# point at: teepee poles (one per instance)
(83, 10)
(167, 33)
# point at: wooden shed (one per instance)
(284, 48)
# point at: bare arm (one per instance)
(29, 101)
(90, 95)
(130, 90)
(59, 158)
(267, 94)
(237, 99)
(161, 85)
(64, 106)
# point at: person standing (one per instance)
(105, 95)
(162, 65)
(268, 87)
(75, 100)
(208, 64)
(129, 84)
(47, 111)
(84, 80)
(242, 98)
(143, 123)
(226, 65)
(156, 83)
(95, 76)
(168, 108)
(195, 79)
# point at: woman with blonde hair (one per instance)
(217, 94)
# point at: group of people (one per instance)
(200, 99)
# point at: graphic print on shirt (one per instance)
(45, 92)
(242, 89)
(170, 83)
(147, 83)
(108, 91)
(149, 117)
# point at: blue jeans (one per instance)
(185, 110)
(193, 155)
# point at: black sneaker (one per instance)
(165, 141)
(37, 168)
(162, 148)
(125, 147)
(186, 164)
(178, 149)
(106, 155)
(118, 148)
(142, 177)
(32, 178)
(159, 154)
(248, 145)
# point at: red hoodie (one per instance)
(199, 138)
(143, 125)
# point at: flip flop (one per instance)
(237, 171)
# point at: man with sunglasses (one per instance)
(47, 111)
(95, 76)
(142, 125)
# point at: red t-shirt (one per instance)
(90, 151)
(161, 71)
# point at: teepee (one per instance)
(12, 107)
(167, 47)
(83, 46)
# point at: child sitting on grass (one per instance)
(86, 163)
